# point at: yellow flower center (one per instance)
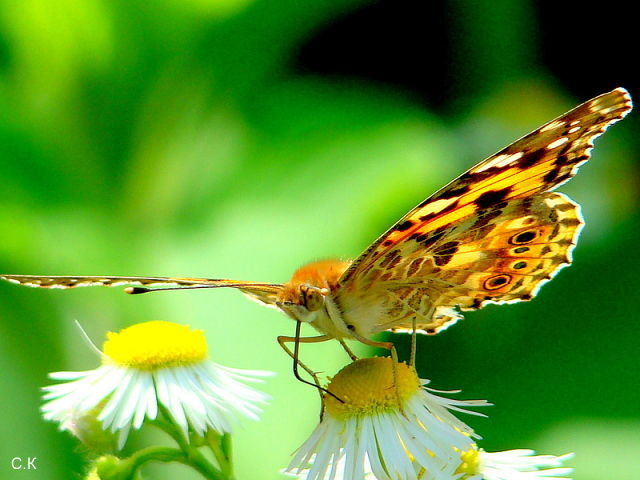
(154, 345)
(371, 385)
(469, 462)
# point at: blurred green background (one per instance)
(243, 138)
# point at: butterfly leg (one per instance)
(414, 342)
(352, 355)
(372, 343)
(283, 340)
(297, 340)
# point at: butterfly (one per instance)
(495, 234)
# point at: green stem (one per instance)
(192, 455)
(221, 447)
(158, 454)
(227, 447)
(112, 468)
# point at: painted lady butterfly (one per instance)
(495, 234)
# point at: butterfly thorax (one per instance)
(308, 296)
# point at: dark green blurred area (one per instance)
(179, 138)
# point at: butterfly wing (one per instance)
(263, 292)
(474, 222)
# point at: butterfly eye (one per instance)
(497, 282)
(312, 297)
(523, 237)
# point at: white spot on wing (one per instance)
(557, 143)
(510, 158)
(437, 205)
(491, 164)
(499, 161)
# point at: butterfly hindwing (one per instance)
(501, 256)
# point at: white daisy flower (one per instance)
(149, 365)
(386, 425)
(512, 465)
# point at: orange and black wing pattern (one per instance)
(494, 234)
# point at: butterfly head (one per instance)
(302, 303)
(303, 297)
(312, 298)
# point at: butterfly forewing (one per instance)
(454, 249)
(264, 292)
(72, 281)
(538, 162)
